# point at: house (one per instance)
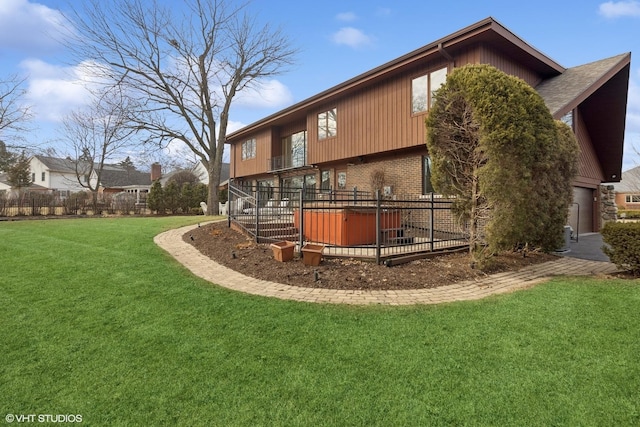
(5, 187)
(116, 179)
(55, 175)
(373, 124)
(59, 176)
(200, 171)
(627, 191)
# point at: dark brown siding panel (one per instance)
(506, 64)
(589, 169)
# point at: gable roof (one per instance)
(630, 182)
(56, 164)
(600, 88)
(488, 31)
(115, 176)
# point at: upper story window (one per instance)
(43, 176)
(423, 87)
(294, 150)
(328, 124)
(249, 149)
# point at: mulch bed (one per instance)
(238, 252)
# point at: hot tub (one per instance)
(346, 225)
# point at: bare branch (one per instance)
(184, 69)
(14, 114)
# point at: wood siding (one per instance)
(375, 119)
(504, 63)
(259, 163)
(589, 170)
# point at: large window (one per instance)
(249, 149)
(423, 87)
(290, 186)
(328, 124)
(427, 187)
(294, 150)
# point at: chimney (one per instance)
(156, 172)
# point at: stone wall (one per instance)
(608, 208)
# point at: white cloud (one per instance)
(612, 9)
(346, 16)
(352, 37)
(267, 94)
(54, 91)
(31, 28)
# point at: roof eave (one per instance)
(465, 35)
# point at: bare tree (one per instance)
(98, 133)
(14, 114)
(186, 66)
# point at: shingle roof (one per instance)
(114, 177)
(559, 91)
(57, 164)
(630, 182)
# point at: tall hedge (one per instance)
(511, 165)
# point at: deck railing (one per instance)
(352, 224)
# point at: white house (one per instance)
(54, 174)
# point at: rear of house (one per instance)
(369, 132)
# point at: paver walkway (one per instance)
(202, 266)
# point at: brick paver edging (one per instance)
(202, 266)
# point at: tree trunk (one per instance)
(213, 168)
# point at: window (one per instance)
(328, 124)
(294, 150)
(325, 180)
(249, 149)
(33, 177)
(43, 175)
(342, 180)
(423, 88)
(632, 198)
(427, 187)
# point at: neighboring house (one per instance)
(59, 176)
(200, 171)
(116, 179)
(627, 191)
(5, 187)
(342, 137)
(55, 175)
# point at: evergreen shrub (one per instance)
(623, 239)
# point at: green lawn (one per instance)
(98, 321)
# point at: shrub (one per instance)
(629, 213)
(624, 241)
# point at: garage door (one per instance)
(582, 207)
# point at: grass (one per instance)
(98, 321)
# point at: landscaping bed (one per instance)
(238, 252)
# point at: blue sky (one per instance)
(337, 40)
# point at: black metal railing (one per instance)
(348, 223)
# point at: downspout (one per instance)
(446, 55)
